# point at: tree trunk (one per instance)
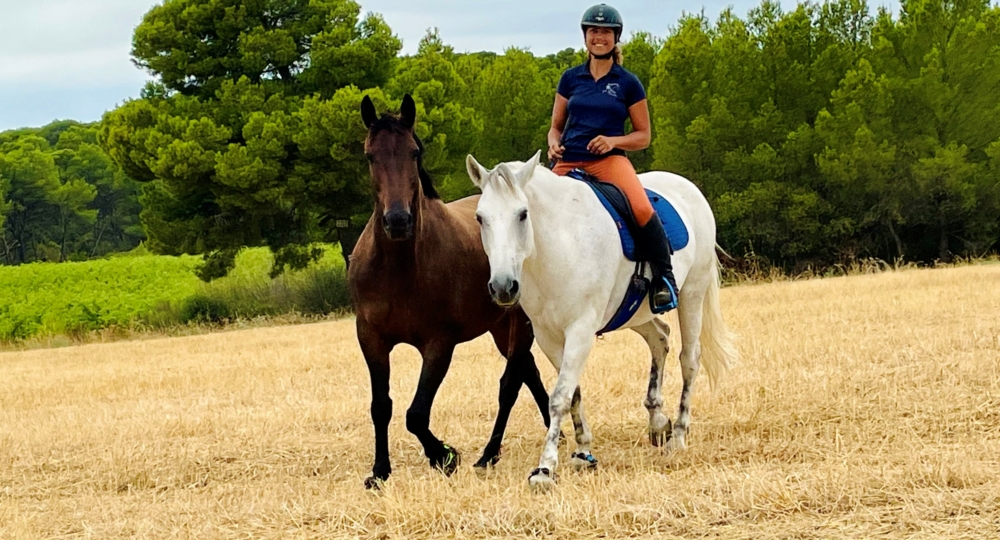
(895, 238)
(944, 255)
(97, 238)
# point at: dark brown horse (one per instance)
(418, 275)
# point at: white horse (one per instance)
(554, 248)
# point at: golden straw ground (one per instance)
(866, 406)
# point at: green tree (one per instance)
(250, 136)
(4, 202)
(115, 226)
(639, 54)
(515, 101)
(941, 61)
(448, 127)
(33, 181)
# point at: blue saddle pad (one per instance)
(677, 233)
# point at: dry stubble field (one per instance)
(866, 406)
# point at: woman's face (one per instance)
(599, 40)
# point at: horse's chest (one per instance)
(413, 310)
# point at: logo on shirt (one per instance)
(611, 89)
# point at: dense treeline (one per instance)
(62, 197)
(820, 135)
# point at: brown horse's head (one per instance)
(395, 160)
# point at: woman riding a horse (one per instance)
(592, 102)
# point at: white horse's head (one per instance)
(504, 223)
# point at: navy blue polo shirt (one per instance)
(596, 108)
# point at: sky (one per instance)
(69, 59)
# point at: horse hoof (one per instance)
(677, 443)
(659, 438)
(374, 483)
(449, 462)
(542, 480)
(583, 462)
(487, 462)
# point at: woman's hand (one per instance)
(556, 151)
(601, 145)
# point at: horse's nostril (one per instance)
(493, 291)
(513, 287)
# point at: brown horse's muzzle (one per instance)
(398, 224)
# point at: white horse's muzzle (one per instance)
(505, 291)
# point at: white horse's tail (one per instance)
(718, 348)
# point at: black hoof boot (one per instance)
(375, 483)
(448, 461)
(486, 462)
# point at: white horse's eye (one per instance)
(479, 219)
(523, 215)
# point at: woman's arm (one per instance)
(638, 139)
(556, 130)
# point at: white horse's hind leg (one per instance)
(689, 312)
(575, 351)
(657, 336)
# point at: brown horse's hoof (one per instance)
(374, 483)
(449, 462)
(486, 462)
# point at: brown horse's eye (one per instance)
(370, 157)
(416, 154)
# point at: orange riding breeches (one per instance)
(617, 170)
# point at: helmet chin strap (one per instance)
(604, 56)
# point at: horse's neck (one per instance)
(547, 194)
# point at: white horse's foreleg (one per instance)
(690, 315)
(582, 459)
(657, 336)
(574, 355)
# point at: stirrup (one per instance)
(663, 308)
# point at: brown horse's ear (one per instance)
(408, 111)
(368, 114)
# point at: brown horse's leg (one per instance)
(510, 385)
(524, 337)
(376, 353)
(437, 359)
(521, 369)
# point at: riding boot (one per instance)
(657, 251)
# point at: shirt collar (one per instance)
(585, 69)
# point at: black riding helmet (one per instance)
(604, 16)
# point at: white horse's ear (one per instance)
(476, 171)
(529, 168)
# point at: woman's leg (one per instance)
(618, 170)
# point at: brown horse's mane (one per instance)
(389, 122)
